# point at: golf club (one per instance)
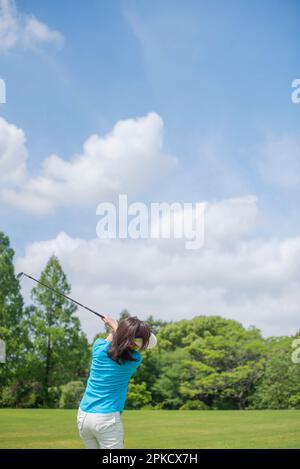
(21, 275)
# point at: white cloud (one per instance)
(253, 281)
(121, 161)
(36, 32)
(17, 28)
(13, 153)
(8, 25)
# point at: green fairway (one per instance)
(30, 428)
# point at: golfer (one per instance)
(114, 360)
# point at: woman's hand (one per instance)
(111, 322)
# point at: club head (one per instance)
(20, 276)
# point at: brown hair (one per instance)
(122, 342)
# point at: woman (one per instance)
(114, 360)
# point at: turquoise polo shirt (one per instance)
(108, 380)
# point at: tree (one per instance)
(124, 314)
(137, 396)
(279, 386)
(165, 388)
(156, 324)
(12, 331)
(71, 394)
(60, 347)
(224, 365)
(219, 364)
(11, 302)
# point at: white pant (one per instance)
(101, 431)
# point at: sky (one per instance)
(165, 101)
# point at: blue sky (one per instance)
(217, 73)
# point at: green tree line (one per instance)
(207, 362)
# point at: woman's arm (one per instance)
(113, 324)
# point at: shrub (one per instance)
(8, 397)
(194, 405)
(294, 402)
(137, 396)
(71, 394)
(54, 394)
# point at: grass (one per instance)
(43, 428)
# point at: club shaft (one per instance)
(65, 296)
